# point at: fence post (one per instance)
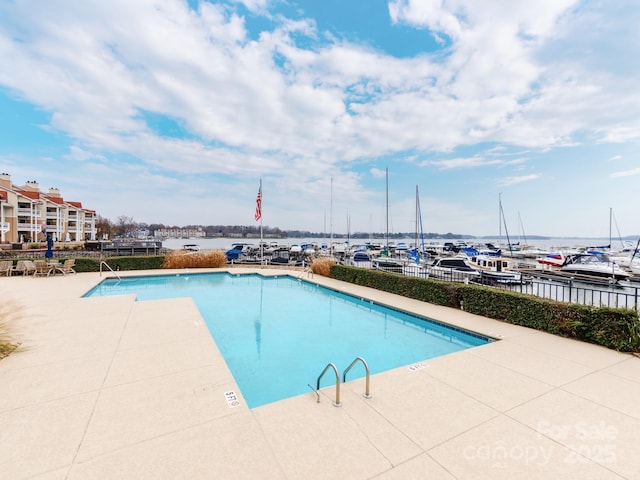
(570, 287)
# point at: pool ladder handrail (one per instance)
(366, 393)
(337, 402)
(112, 270)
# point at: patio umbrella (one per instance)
(49, 252)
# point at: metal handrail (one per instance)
(366, 393)
(314, 391)
(336, 403)
(112, 270)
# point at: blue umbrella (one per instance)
(49, 252)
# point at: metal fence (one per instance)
(572, 291)
(568, 290)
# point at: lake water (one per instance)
(551, 244)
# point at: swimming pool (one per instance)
(278, 333)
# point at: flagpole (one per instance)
(258, 216)
(261, 237)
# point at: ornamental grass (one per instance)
(322, 266)
(9, 313)
(207, 259)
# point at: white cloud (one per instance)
(378, 173)
(258, 6)
(626, 173)
(452, 163)
(508, 181)
(201, 69)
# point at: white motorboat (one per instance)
(455, 269)
(413, 269)
(594, 265)
(497, 269)
(387, 264)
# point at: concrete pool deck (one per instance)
(113, 388)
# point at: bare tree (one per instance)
(126, 226)
(105, 227)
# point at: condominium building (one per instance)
(165, 233)
(29, 215)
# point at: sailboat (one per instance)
(383, 260)
(416, 256)
(494, 267)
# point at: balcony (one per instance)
(22, 226)
(26, 212)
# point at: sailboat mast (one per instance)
(505, 229)
(610, 217)
(348, 228)
(417, 217)
(331, 216)
(387, 208)
(499, 218)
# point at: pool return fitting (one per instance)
(331, 365)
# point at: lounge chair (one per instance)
(23, 267)
(42, 268)
(30, 267)
(6, 267)
(67, 266)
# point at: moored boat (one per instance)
(551, 261)
(594, 265)
(455, 269)
(497, 269)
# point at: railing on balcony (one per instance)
(27, 212)
(28, 226)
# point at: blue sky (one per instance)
(171, 111)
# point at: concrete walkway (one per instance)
(118, 389)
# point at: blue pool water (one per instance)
(278, 333)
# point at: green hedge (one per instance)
(614, 328)
(89, 264)
(433, 291)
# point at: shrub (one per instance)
(322, 266)
(434, 291)
(614, 328)
(208, 259)
(87, 264)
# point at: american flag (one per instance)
(258, 214)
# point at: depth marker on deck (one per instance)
(232, 399)
(417, 366)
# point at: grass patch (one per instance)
(208, 259)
